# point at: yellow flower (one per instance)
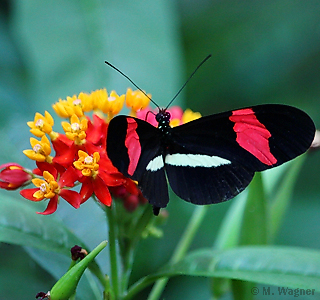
(189, 115)
(86, 101)
(41, 124)
(112, 105)
(98, 98)
(48, 188)
(40, 150)
(87, 164)
(137, 100)
(175, 122)
(75, 130)
(69, 107)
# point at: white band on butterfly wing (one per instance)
(195, 160)
(186, 160)
(155, 164)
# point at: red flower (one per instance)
(49, 188)
(98, 174)
(13, 176)
(97, 131)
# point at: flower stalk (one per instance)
(181, 249)
(114, 263)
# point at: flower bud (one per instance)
(13, 176)
(67, 284)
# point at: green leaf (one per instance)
(254, 222)
(282, 197)
(20, 225)
(244, 224)
(229, 232)
(241, 289)
(254, 229)
(246, 219)
(279, 266)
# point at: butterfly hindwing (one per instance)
(203, 179)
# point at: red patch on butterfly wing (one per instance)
(133, 145)
(252, 135)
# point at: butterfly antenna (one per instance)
(196, 69)
(124, 75)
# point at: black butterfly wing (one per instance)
(204, 184)
(131, 145)
(214, 158)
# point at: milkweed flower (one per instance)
(51, 188)
(189, 116)
(78, 156)
(40, 150)
(41, 124)
(97, 175)
(67, 108)
(137, 100)
(13, 176)
(112, 105)
(76, 129)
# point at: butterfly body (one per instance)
(208, 160)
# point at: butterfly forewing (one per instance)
(132, 144)
(257, 138)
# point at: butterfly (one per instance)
(208, 160)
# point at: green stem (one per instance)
(181, 248)
(113, 251)
(142, 223)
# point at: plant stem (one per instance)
(181, 248)
(113, 251)
(142, 223)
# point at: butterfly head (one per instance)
(163, 118)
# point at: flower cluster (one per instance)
(80, 157)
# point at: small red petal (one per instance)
(131, 187)
(44, 166)
(91, 148)
(66, 157)
(28, 194)
(107, 166)
(86, 190)
(37, 171)
(71, 197)
(112, 179)
(68, 177)
(97, 131)
(102, 191)
(61, 144)
(52, 206)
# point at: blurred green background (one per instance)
(262, 52)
